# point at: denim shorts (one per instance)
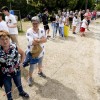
(31, 68)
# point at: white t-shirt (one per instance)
(31, 35)
(3, 26)
(61, 21)
(75, 21)
(11, 20)
(57, 19)
(84, 23)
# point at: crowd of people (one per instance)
(12, 57)
(78, 21)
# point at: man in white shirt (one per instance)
(3, 25)
(11, 23)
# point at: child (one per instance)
(78, 24)
(74, 23)
(84, 26)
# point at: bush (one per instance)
(98, 7)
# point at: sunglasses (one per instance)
(35, 23)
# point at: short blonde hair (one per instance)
(4, 33)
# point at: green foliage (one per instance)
(10, 0)
(98, 7)
(21, 32)
(36, 6)
(81, 4)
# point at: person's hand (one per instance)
(20, 64)
(8, 26)
(36, 42)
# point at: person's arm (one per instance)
(14, 21)
(39, 41)
(12, 26)
(43, 40)
(21, 52)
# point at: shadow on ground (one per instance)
(53, 89)
(93, 35)
(59, 40)
(24, 73)
(71, 38)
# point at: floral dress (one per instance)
(9, 60)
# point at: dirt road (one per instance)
(71, 66)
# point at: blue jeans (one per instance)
(53, 24)
(29, 60)
(57, 27)
(61, 30)
(8, 84)
(31, 68)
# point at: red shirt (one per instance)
(89, 15)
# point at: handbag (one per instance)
(36, 50)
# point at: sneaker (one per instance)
(24, 94)
(49, 36)
(84, 35)
(30, 81)
(41, 74)
(74, 33)
(88, 29)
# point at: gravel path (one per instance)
(71, 66)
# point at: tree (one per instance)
(90, 4)
(36, 6)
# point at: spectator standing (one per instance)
(12, 24)
(10, 65)
(78, 25)
(84, 26)
(89, 16)
(94, 15)
(36, 36)
(61, 25)
(45, 22)
(40, 16)
(3, 25)
(70, 19)
(74, 23)
(64, 13)
(82, 14)
(57, 23)
(67, 13)
(53, 23)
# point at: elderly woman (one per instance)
(36, 36)
(10, 65)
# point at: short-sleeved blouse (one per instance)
(9, 60)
